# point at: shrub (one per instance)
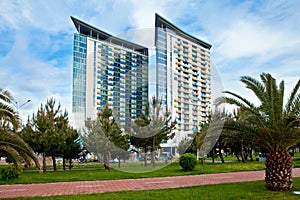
(188, 161)
(10, 172)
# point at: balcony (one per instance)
(195, 78)
(185, 45)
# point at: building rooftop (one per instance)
(163, 23)
(91, 31)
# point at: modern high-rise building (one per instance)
(107, 71)
(183, 76)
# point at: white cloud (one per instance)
(245, 39)
(28, 77)
(143, 12)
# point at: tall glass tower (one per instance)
(183, 76)
(107, 71)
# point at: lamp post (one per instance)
(15, 103)
(18, 107)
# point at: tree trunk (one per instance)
(153, 158)
(44, 162)
(107, 157)
(279, 171)
(54, 162)
(145, 158)
(70, 163)
(243, 153)
(107, 160)
(238, 158)
(64, 163)
(250, 153)
(153, 152)
(213, 155)
(221, 155)
(202, 161)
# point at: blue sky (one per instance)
(247, 37)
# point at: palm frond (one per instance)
(274, 126)
(7, 113)
(255, 86)
(19, 150)
(5, 95)
(293, 99)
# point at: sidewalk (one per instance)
(86, 187)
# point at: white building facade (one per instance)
(183, 79)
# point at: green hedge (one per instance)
(10, 172)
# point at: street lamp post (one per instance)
(18, 107)
(15, 103)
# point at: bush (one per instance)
(10, 172)
(188, 161)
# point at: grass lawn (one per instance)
(92, 171)
(100, 174)
(246, 190)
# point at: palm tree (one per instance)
(8, 115)
(273, 125)
(16, 150)
(11, 145)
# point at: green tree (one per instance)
(240, 142)
(69, 147)
(104, 137)
(93, 138)
(184, 145)
(273, 124)
(43, 133)
(11, 145)
(210, 137)
(152, 128)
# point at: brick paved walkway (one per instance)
(85, 187)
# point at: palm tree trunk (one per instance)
(279, 171)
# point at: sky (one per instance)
(247, 38)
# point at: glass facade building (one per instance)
(107, 71)
(183, 76)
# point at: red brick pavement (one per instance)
(85, 187)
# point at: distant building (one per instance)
(107, 70)
(183, 79)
